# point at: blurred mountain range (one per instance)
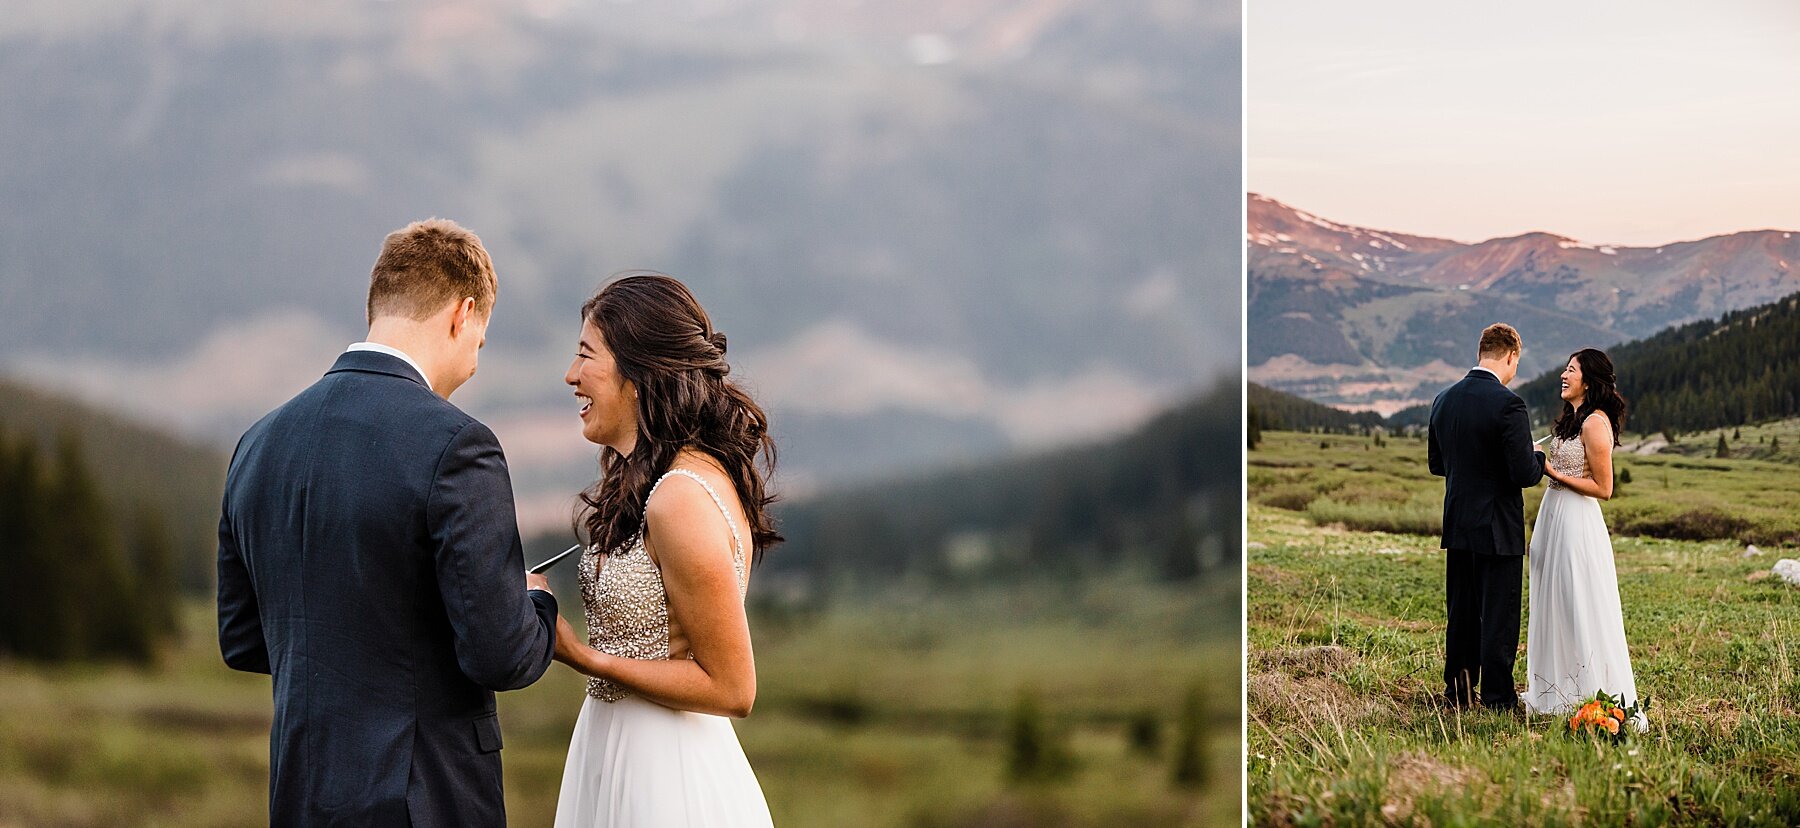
(931, 229)
(1368, 319)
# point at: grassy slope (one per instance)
(1353, 736)
(1354, 482)
(930, 677)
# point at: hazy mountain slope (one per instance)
(1032, 199)
(1161, 499)
(1362, 317)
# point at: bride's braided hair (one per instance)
(664, 343)
(1602, 395)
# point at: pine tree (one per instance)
(13, 555)
(153, 556)
(97, 597)
(42, 622)
(1034, 754)
(1724, 449)
(1190, 744)
(1144, 733)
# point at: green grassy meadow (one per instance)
(1362, 482)
(1345, 646)
(885, 711)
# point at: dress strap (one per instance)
(737, 540)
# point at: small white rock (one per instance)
(1788, 570)
(1751, 551)
(1256, 545)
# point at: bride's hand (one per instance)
(1550, 471)
(568, 645)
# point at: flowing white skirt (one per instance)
(1575, 639)
(636, 764)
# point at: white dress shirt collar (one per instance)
(393, 352)
(1489, 370)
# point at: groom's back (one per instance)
(1466, 420)
(1479, 443)
(328, 506)
(326, 498)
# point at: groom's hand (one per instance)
(534, 580)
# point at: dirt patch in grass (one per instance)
(1277, 697)
(1413, 775)
(1307, 661)
(1272, 575)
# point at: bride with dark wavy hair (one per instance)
(677, 517)
(1575, 641)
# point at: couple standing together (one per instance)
(370, 562)
(1480, 442)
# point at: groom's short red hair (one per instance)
(427, 265)
(1498, 340)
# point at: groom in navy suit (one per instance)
(1480, 442)
(369, 560)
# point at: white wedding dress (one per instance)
(1575, 638)
(632, 762)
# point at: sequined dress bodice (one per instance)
(1568, 458)
(623, 598)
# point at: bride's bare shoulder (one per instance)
(1598, 426)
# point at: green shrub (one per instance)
(1293, 496)
(1703, 523)
(1410, 518)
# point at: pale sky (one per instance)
(1634, 123)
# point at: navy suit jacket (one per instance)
(1480, 442)
(369, 560)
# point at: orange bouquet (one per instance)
(1605, 716)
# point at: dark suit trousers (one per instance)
(1482, 638)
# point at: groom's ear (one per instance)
(462, 316)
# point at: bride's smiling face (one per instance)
(608, 400)
(1573, 388)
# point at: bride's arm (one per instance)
(1597, 441)
(692, 547)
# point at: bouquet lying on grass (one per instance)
(1606, 716)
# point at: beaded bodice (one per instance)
(1568, 458)
(623, 598)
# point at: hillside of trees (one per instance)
(80, 578)
(133, 466)
(1739, 369)
(1271, 410)
(1163, 500)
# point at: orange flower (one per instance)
(1612, 726)
(1618, 713)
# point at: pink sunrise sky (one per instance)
(1617, 123)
